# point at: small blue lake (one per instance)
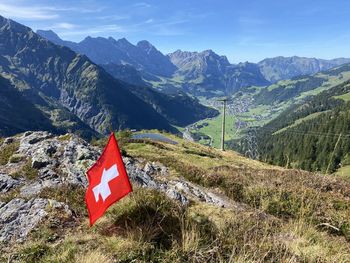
(153, 136)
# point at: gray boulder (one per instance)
(7, 183)
(18, 217)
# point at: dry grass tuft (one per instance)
(93, 257)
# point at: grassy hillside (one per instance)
(276, 215)
(313, 135)
(256, 106)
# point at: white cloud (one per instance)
(142, 5)
(75, 9)
(113, 17)
(29, 13)
(149, 21)
(63, 25)
(103, 29)
(17, 9)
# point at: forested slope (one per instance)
(313, 135)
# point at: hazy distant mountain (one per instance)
(143, 57)
(209, 73)
(53, 37)
(178, 108)
(279, 68)
(59, 82)
(243, 75)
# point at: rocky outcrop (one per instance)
(50, 161)
(18, 217)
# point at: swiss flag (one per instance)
(108, 181)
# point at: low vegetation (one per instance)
(277, 215)
(26, 170)
(6, 151)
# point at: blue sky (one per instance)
(243, 30)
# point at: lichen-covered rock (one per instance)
(156, 167)
(199, 194)
(58, 160)
(145, 177)
(7, 183)
(18, 217)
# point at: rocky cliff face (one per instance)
(40, 162)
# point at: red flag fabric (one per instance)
(108, 181)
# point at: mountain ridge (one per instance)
(158, 69)
(52, 72)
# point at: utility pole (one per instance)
(224, 100)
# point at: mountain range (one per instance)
(281, 68)
(75, 93)
(143, 56)
(54, 85)
(198, 73)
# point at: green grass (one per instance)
(344, 97)
(27, 171)
(344, 171)
(213, 129)
(6, 151)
